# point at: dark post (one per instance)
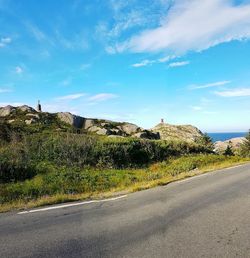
(39, 107)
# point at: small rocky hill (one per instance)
(180, 132)
(27, 117)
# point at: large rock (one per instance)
(99, 130)
(30, 121)
(235, 143)
(88, 122)
(147, 135)
(27, 109)
(129, 128)
(71, 119)
(179, 132)
(6, 111)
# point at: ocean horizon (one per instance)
(226, 136)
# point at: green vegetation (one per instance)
(205, 140)
(245, 148)
(40, 164)
(55, 184)
(21, 156)
(229, 150)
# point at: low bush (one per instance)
(55, 180)
(19, 159)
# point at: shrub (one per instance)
(206, 141)
(245, 148)
(229, 150)
(79, 151)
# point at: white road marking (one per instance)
(71, 205)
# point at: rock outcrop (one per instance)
(29, 116)
(8, 110)
(129, 128)
(179, 132)
(235, 143)
(71, 119)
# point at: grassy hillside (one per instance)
(55, 184)
(49, 161)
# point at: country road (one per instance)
(205, 216)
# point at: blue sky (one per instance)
(187, 61)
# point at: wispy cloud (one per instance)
(5, 41)
(5, 90)
(194, 26)
(178, 64)
(196, 108)
(66, 82)
(208, 85)
(147, 62)
(143, 63)
(210, 112)
(36, 32)
(240, 92)
(102, 97)
(57, 38)
(167, 58)
(84, 67)
(19, 70)
(75, 42)
(128, 16)
(14, 104)
(71, 96)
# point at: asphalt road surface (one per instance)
(205, 216)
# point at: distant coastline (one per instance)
(226, 136)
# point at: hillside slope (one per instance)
(27, 118)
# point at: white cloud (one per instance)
(124, 22)
(5, 41)
(195, 25)
(209, 85)
(196, 108)
(143, 63)
(110, 50)
(71, 96)
(147, 62)
(4, 90)
(19, 70)
(210, 112)
(66, 82)
(128, 16)
(45, 54)
(166, 59)
(85, 67)
(241, 92)
(178, 64)
(14, 104)
(102, 97)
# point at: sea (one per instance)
(225, 136)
